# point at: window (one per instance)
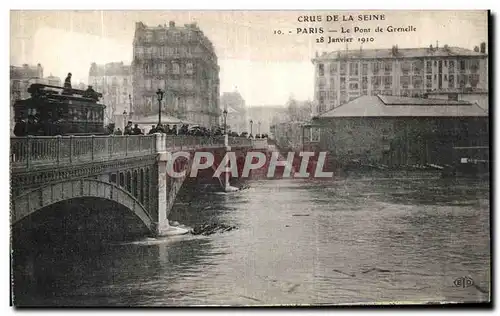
(445, 63)
(435, 63)
(405, 67)
(189, 68)
(364, 82)
(175, 68)
(417, 81)
(428, 81)
(375, 67)
(387, 81)
(451, 66)
(321, 83)
(461, 65)
(321, 70)
(405, 81)
(149, 36)
(148, 84)
(315, 134)
(474, 80)
(333, 69)
(161, 84)
(435, 78)
(418, 66)
(149, 51)
(139, 51)
(332, 83)
(364, 69)
(161, 68)
(451, 81)
(353, 86)
(428, 68)
(342, 82)
(343, 67)
(462, 81)
(147, 69)
(445, 77)
(388, 66)
(353, 69)
(474, 65)
(376, 80)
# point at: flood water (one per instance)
(356, 240)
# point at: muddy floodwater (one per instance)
(356, 240)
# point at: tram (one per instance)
(53, 110)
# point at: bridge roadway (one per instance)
(128, 170)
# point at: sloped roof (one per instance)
(394, 106)
(401, 53)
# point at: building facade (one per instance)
(182, 62)
(344, 75)
(264, 115)
(399, 131)
(114, 81)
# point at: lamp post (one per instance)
(224, 113)
(124, 119)
(251, 123)
(159, 93)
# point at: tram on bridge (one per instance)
(54, 110)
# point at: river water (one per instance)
(356, 240)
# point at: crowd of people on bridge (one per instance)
(185, 129)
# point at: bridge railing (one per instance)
(28, 151)
(46, 150)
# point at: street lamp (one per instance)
(159, 93)
(251, 123)
(225, 116)
(124, 119)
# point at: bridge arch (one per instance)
(39, 198)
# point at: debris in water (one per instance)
(210, 229)
(301, 214)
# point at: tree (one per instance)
(298, 110)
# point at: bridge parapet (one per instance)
(30, 152)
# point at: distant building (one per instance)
(182, 62)
(53, 81)
(235, 105)
(343, 75)
(398, 131)
(288, 135)
(114, 81)
(21, 77)
(264, 115)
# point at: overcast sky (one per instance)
(265, 68)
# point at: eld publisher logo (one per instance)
(463, 282)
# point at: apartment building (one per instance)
(114, 81)
(412, 72)
(182, 62)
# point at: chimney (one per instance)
(437, 44)
(171, 24)
(483, 48)
(395, 50)
(431, 48)
(476, 49)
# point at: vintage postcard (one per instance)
(249, 158)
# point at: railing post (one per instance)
(58, 149)
(92, 149)
(70, 148)
(140, 143)
(28, 151)
(126, 145)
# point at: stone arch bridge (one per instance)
(129, 170)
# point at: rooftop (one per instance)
(395, 106)
(396, 52)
